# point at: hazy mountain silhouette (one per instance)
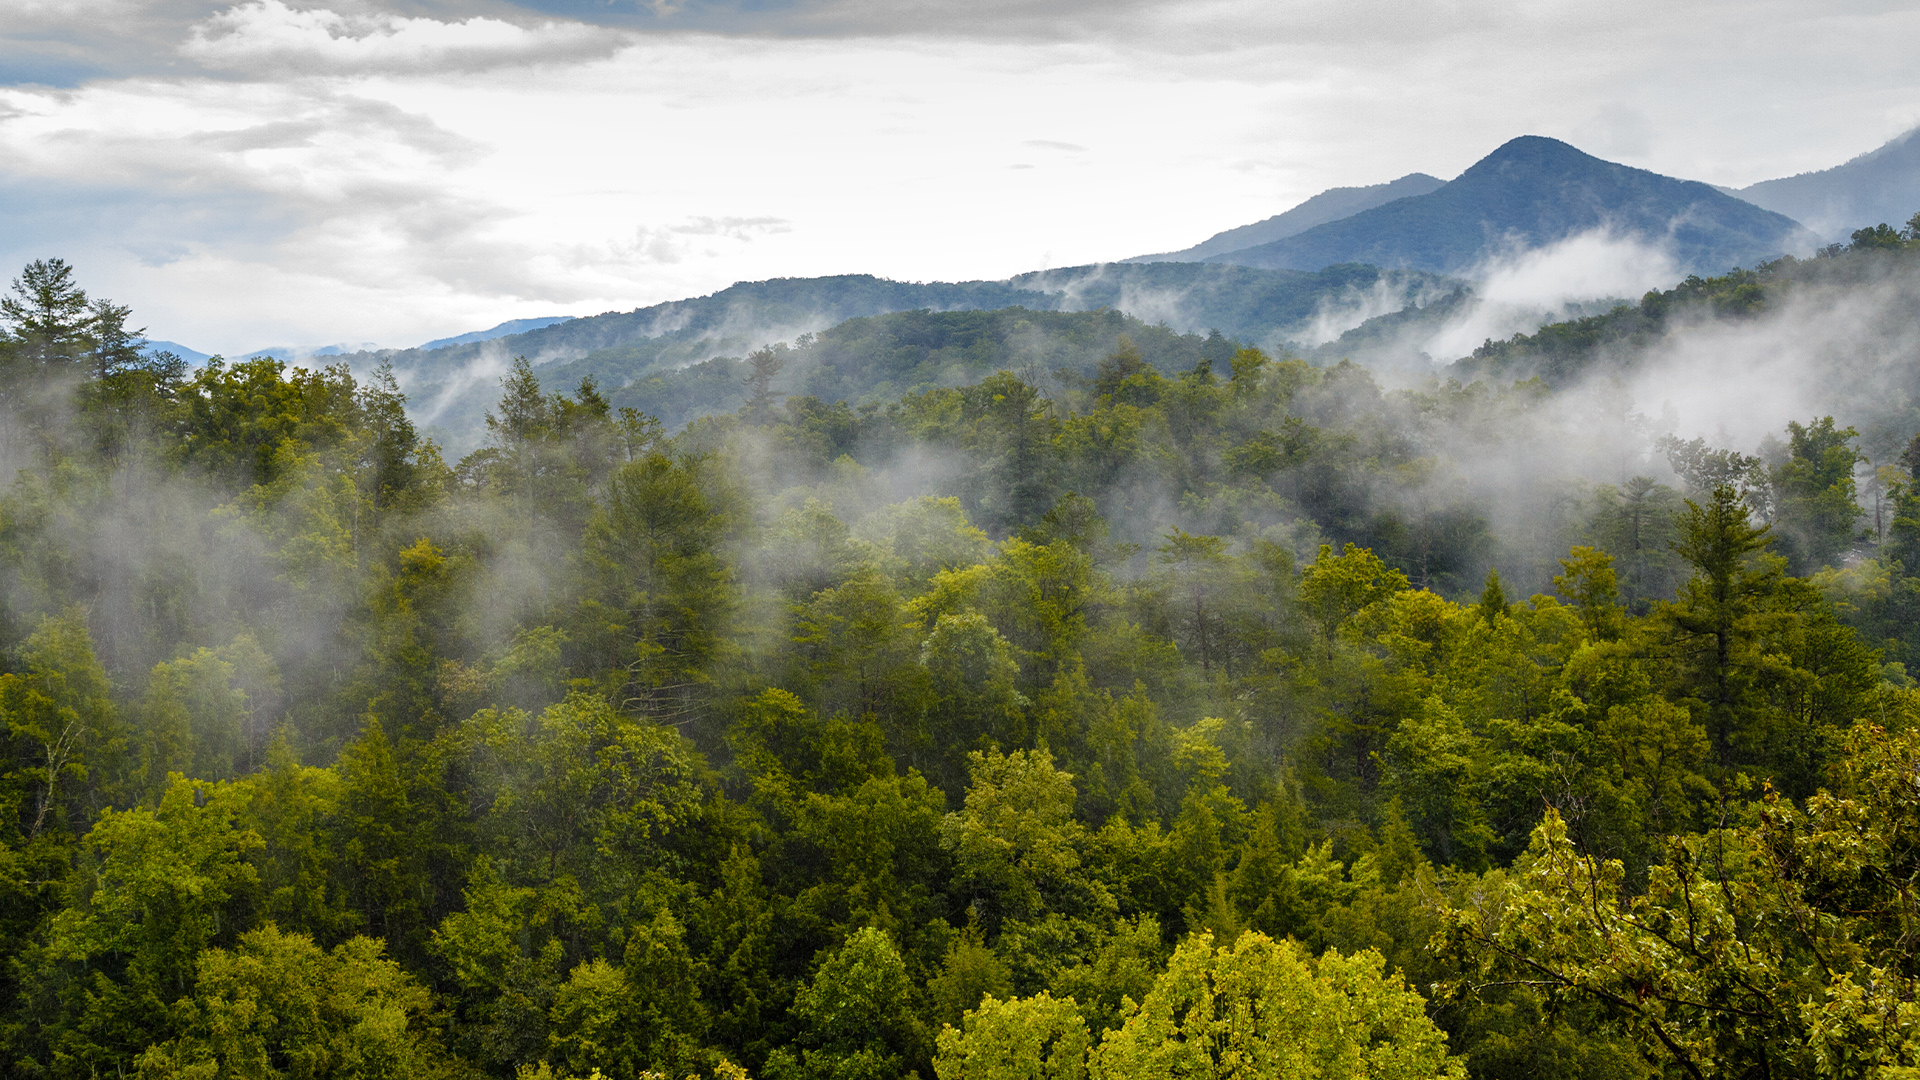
(511, 326)
(1880, 186)
(1330, 205)
(1532, 192)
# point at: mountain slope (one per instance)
(1532, 192)
(1330, 205)
(511, 326)
(1880, 186)
(880, 358)
(1850, 316)
(453, 387)
(1264, 307)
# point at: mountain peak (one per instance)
(1531, 192)
(1545, 156)
(1539, 148)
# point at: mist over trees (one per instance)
(1235, 717)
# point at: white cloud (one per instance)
(1520, 292)
(267, 37)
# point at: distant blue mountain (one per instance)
(297, 354)
(511, 326)
(1330, 205)
(191, 356)
(1533, 192)
(1878, 187)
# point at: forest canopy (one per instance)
(1221, 718)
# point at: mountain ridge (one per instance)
(1879, 186)
(1530, 192)
(1330, 205)
(619, 348)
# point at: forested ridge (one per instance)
(677, 360)
(1565, 351)
(1222, 721)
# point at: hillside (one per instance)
(1042, 710)
(1330, 205)
(1830, 336)
(1882, 186)
(880, 358)
(453, 387)
(511, 326)
(1529, 193)
(741, 315)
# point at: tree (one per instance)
(856, 1017)
(879, 859)
(579, 791)
(63, 733)
(380, 835)
(1780, 948)
(1635, 524)
(1264, 1008)
(1493, 599)
(1125, 374)
(394, 465)
(1587, 580)
(193, 720)
(1016, 846)
(763, 366)
(630, 1022)
(1336, 587)
(971, 971)
(973, 703)
(1710, 626)
(655, 547)
(857, 640)
(277, 1005)
(164, 884)
(506, 959)
(48, 315)
(1036, 1038)
(1815, 493)
(547, 452)
(1009, 430)
(114, 349)
(1202, 587)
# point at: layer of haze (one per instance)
(394, 172)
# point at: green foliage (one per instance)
(1265, 1008)
(1776, 946)
(1036, 1038)
(1335, 588)
(157, 888)
(63, 732)
(970, 972)
(1016, 847)
(1814, 490)
(277, 1005)
(323, 757)
(664, 586)
(856, 1018)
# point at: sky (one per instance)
(277, 172)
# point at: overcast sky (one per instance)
(278, 172)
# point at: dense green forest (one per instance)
(1224, 720)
